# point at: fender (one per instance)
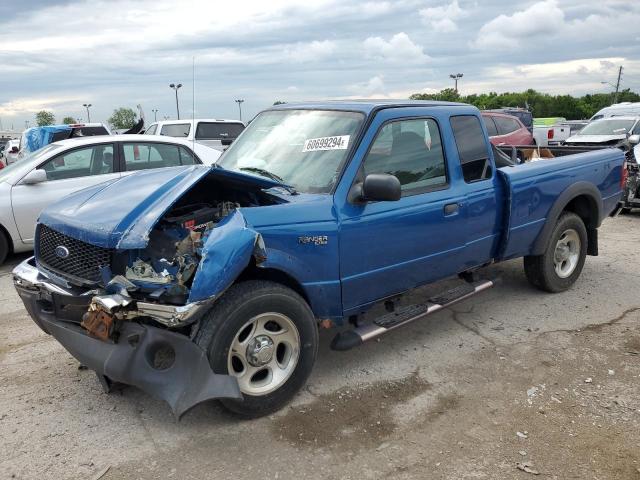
(575, 190)
(225, 254)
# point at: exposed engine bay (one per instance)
(164, 270)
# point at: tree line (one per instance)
(121, 118)
(540, 104)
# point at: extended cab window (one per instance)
(176, 129)
(82, 162)
(472, 148)
(151, 130)
(142, 156)
(412, 151)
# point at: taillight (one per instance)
(550, 134)
(624, 176)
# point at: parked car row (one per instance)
(66, 166)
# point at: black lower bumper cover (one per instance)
(185, 382)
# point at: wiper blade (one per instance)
(272, 176)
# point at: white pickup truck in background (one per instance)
(554, 131)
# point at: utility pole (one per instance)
(615, 99)
(176, 87)
(239, 101)
(87, 105)
(456, 77)
(155, 114)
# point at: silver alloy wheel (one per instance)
(264, 353)
(567, 253)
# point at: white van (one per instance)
(631, 109)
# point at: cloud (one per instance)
(443, 18)
(311, 52)
(399, 48)
(507, 31)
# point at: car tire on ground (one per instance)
(558, 268)
(264, 334)
(625, 211)
(4, 247)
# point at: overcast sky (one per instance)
(57, 55)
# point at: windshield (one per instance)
(26, 163)
(608, 126)
(302, 148)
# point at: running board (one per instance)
(352, 338)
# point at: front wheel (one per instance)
(560, 265)
(266, 336)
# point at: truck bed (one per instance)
(531, 191)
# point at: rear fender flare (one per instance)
(576, 190)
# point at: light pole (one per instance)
(240, 101)
(87, 105)
(155, 114)
(176, 87)
(456, 77)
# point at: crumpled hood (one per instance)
(121, 213)
(594, 138)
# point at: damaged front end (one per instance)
(136, 323)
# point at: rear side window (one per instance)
(506, 125)
(218, 130)
(176, 129)
(143, 156)
(472, 148)
(151, 130)
(491, 126)
(88, 131)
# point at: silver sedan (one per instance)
(64, 167)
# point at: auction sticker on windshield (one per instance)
(339, 142)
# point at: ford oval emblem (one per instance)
(61, 251)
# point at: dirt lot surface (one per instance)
(512, 379)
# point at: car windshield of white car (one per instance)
(608, 126)
(302, 148)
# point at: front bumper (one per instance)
(183, 377)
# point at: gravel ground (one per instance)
(512, 379)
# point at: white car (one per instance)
(215, 133)
(611, 131)
(64, 167)
(10, 152)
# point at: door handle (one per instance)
(451, 208)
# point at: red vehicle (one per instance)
(506, 129)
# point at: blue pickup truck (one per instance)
(204, 283)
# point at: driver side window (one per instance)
(411, 150)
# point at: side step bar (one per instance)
(352, 338)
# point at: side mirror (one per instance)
(35, 176)
(634, 139)
(381, 187)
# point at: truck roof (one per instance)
(366, 106)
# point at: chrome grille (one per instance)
(81, 264)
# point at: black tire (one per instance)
(4, 247)
(540, 269)
(236, 307)
(625, 211)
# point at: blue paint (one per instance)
(373, 250)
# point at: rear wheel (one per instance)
(560, 265)
(266, 336)
(625, 210)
